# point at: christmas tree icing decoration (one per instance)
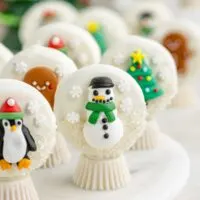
(97, 31)
(56, 42)
(146, 24)
(142, 73)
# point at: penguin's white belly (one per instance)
(14, 147)
(95, 134)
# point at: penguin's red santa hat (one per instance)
(11, 110)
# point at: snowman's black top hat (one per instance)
(101, 82)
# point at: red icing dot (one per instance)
(56, 42)
(50, 86)
(155, 90)
(139, 66)
(140, 78)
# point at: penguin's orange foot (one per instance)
(5, 165)
(24, 164)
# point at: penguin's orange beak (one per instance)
(97, 98)
(13, 128)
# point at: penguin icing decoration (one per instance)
(15, 138)
(102, 115)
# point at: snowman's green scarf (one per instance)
(97, 108)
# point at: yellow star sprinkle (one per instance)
(137, 56)
(132, 68)
(92, 26)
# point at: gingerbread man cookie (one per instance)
(181, 39)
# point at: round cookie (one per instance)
(44, 13)
(102, 24)
(101, 121)
(143, 17)
(181, 39)
(28, 133)
(151, 65)
(33, 110)
(5, 55)
(78, 43)
(43, 68)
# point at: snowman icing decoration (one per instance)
(15, 138)
(103, 128)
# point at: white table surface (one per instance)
(184, 126)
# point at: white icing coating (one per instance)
(44, 135)
(5, 55)
(158, 10)
(165, 64)
(39, 56)
(114, 25)
(133, 123)
(87, 52)
(32, 19)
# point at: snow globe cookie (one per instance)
(43, 68)
(98, 118)
(151, 65)
(143, 17)
(44, 13)
(182, 39)
(72, 40)
(102, 24)
(27, 136)
(5, 55)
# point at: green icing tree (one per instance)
(96, 30)
(142, 73)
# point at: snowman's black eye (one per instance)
(108, 92)
(95, 93)
(6, 124)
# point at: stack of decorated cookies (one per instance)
(84, 75)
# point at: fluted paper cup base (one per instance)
(150, 139)
(108, 174)
(60, 154)
(18, 189)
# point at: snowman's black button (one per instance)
(105, 127)
(106, 135)
(104, 120)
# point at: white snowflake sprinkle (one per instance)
(39, 120)
(59, 71)
(20, 67)
(73, 117)
(126, 105)
(32, 107)
(119, 59)
(123, 86)
(76, 91)
(160, 76)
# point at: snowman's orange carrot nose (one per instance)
(97, 98)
